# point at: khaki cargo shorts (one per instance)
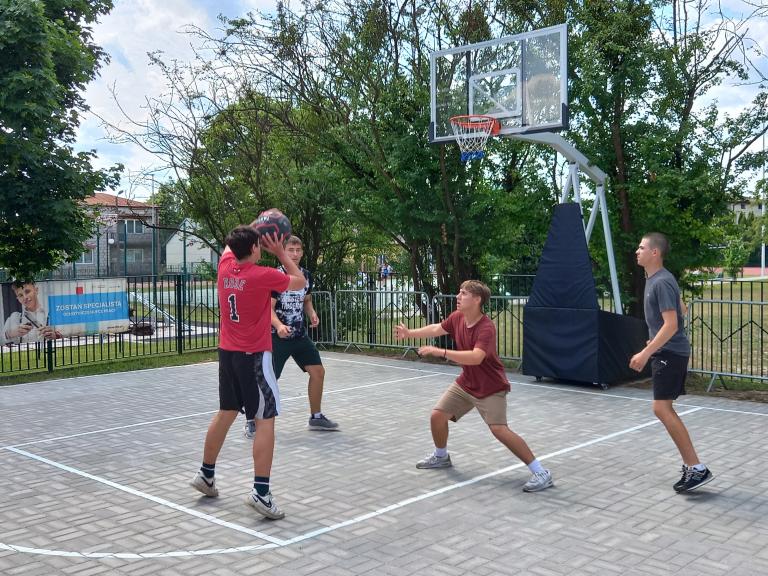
(457, 402)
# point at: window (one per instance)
(134, 226)
(86, 257)
(134, 255)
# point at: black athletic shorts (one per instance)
(302, 349)
(669, 372)
(247, 382)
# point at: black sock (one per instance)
(208, 470)
(261, 485)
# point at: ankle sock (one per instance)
(261, 485)
(208, 470)
(441, 452)
(317, 415)
(535, 467)
(698, 467)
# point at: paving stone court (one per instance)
(96, 472)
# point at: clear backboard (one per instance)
(520, 80)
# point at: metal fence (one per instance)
(168, 314)
(729, 337)
(171, 314)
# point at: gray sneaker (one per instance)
(539, 481)
(204, 485)
(265, 505)
(322, 424)
(249, 429)
(433, 461)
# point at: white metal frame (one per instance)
(561, 28)
(578, 162)
(506, 112)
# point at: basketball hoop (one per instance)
(472, 132)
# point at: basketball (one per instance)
(273, 221)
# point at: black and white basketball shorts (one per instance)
(247, 382)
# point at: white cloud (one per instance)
(127, 34)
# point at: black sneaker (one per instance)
(680, 483)
(696, 479)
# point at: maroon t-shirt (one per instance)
(488, 377)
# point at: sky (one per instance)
(127, 34)
(136, 27)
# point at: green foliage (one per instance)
(674, 165)
(327, 114)
(46, 58)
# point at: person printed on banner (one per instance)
(30, 324)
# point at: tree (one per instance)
(46, 58)
(360, 71)
(640, 74)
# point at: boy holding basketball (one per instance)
(246, 379)
(668, 350)
(482, 384)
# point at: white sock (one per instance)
(317, 415)
(535, 467)
(698, 467)
(441, 452)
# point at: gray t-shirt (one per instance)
(661, 294)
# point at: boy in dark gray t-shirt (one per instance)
(662, 293)
(668, 350)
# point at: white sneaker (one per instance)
(202, 484)
(539, 481)
(249, 430)
(433, 461)
(265, 505)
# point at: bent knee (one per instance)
(439, 416)
(498, 430)
(662, 409)
(316, 370)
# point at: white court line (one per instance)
(565, 390)
(320, 531)
(157, 500)
(169, 419)
(473, 480)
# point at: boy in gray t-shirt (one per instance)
(668, 350)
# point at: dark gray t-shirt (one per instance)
(662, 293)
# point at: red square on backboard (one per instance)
(79, 290)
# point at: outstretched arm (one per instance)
(402, 332)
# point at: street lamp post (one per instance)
(106, 219)
(764, 197)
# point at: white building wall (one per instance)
(197, 250)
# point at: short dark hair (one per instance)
(22, 283)
(659, 241)
(477, 288)
(293, 240)
(241, 240)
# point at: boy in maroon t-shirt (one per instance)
(246, 379)
(482, 383)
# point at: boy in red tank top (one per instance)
(482, 383)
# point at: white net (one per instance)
(471, 134)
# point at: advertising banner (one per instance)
(37, 311)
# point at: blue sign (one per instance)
(87, 308)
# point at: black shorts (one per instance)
(302, 349)
(247, 382)
(669, 372)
